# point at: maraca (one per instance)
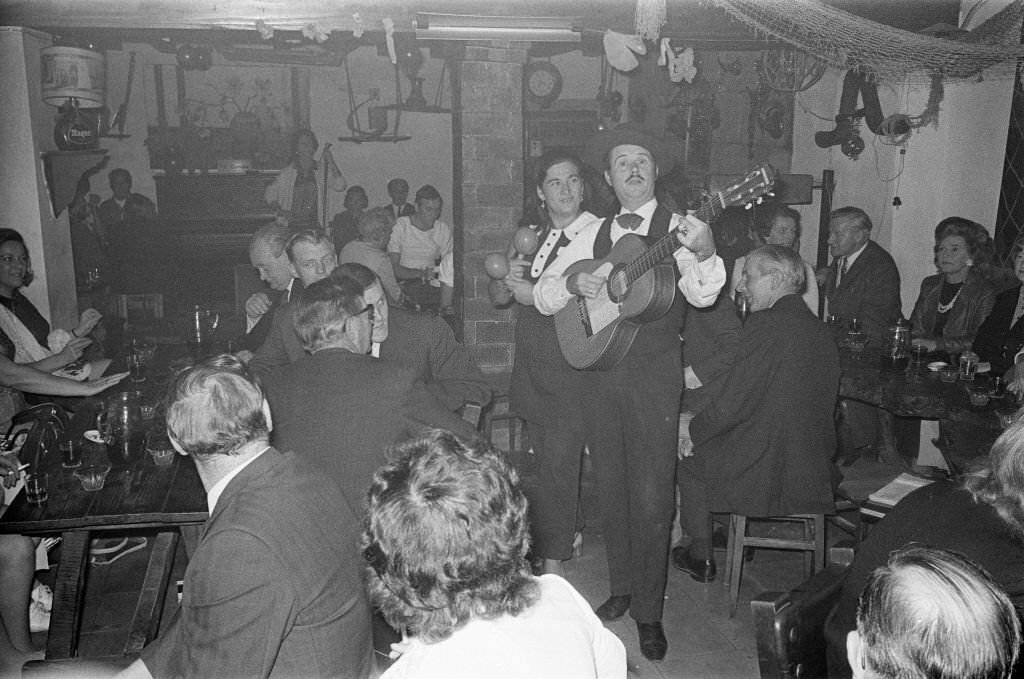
(499, 293)
(525, 241)
(496, 265)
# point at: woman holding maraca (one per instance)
(544, 387)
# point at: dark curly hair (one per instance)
(446, 536)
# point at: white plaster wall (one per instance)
(951, 169)
(24, 202)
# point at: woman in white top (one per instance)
(446, 540)
(778, 224)
(417, 246)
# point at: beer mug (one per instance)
(203, 323)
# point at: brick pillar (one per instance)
(488, 111)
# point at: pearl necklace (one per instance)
(944, 308)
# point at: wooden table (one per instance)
(138, 495)
(966, 431)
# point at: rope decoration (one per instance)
(883, 53)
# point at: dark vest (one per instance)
(662, 334)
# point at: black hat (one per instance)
(600, 144)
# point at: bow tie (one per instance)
(629, 221)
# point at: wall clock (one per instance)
(543, 83)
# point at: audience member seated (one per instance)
(1001, 335)
(933, 613)
(398, 192)
(124, 209)
(953, 303)
(982, 518)
(710, 339)
(345, 225)
(778, 224)
(312, 257)
(295, 194)
(863, 281)
(371, 251)
(465, 597)
(338, 405)
(425, 343)
(765, 442)
(24, 333)
(273, 588)
(267, 255)
(417, 246)
(17, 552)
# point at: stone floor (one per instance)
(703, 641)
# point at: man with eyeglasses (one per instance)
(423, 342)
(338, 404)
(311, 257)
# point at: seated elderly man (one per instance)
(340, 406)
(268, 256)
(273, 588)
(932, 613)
(312, 257)
(765, 441)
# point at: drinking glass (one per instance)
(70, 453)
(37, 487)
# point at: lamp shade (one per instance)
(73, 73)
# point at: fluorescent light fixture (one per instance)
(431, 26)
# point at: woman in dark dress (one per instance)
(545, 388)
(1001, 336)
(954, 302)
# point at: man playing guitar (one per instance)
(631, 407)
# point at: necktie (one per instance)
(629, 221)
(841, 270)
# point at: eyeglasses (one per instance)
(369, 310)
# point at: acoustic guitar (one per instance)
(595, 334)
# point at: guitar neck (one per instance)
(709, 209)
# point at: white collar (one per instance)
(850, 259)
(218, 488)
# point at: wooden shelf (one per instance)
(418, 109)
(63, 169)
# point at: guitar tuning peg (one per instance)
(748, 206)
(760, 199)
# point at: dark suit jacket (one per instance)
(767, 439)
(282, 345)
(996, 340)
(970, 309)
(259, 333)
(710, 338)
(418, 340)
(870, 291)
(274, 588)
(425, 343)
(343, 410)
(408, 210)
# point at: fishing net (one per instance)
(881, 52)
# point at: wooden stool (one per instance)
(812, 544)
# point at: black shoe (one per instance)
(614, 608)
(653, 643)
(701, 570)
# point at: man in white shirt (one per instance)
(631, 409)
